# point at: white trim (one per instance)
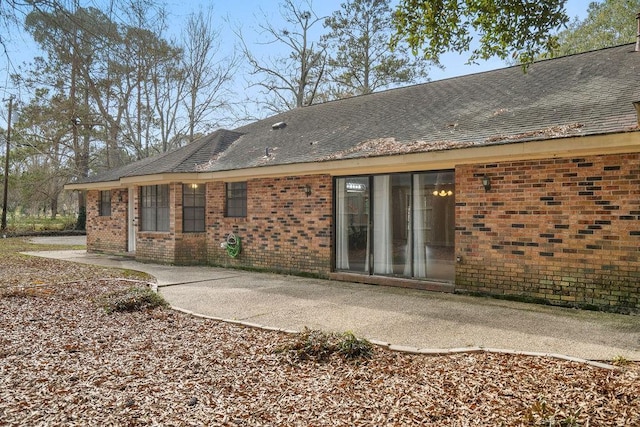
(131, 221)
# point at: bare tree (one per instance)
(207, 73)
(152, 76)
(294, 78)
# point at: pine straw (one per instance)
(64, 361)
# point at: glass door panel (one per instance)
(434, 224)
(352, 224)
(392, 224)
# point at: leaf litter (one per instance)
(65, 361)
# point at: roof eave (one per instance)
(612, 143)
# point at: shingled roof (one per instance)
(578, 95)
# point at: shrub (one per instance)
(620, 361)
(132, 299)
(542, 414)
(317, 345)
(352, 347)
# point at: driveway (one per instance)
(400, 317)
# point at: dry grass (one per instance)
(65, 361)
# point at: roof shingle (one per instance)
(584, 94)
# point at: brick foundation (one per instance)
(562, 230)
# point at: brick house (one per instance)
(503, 183)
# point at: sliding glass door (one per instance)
(397, 224)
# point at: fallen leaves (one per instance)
(550, 132)
(65, 361)
(390, 146)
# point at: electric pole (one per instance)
(3, 226)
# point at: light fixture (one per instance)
(442, 193)
(486, 183)
(307, 190)
(194, 186)
(356, 187)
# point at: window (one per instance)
(105, 203)
(193, 208)
(237, 199)
(154, 208)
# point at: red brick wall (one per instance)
(158, 247)
(563, 230)
(107, 233)
(285, 230)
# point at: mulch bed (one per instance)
(65, 361)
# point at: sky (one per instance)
(247, 15)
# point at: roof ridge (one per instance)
(440, 80)
(569, 55)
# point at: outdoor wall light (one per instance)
(486, 183)
(307, 190)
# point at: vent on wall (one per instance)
(279, 125)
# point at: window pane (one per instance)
(193, 204)
(193, 220)
(382, 238)
(154, 208)
(401, 223)
(237, 199)
(188, 213)
(352, 224)
(434, 225)
(163, 219)
(146, 196)
(104, 204)
(163, 196)
(148, 219)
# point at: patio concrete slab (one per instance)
(401, 317)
